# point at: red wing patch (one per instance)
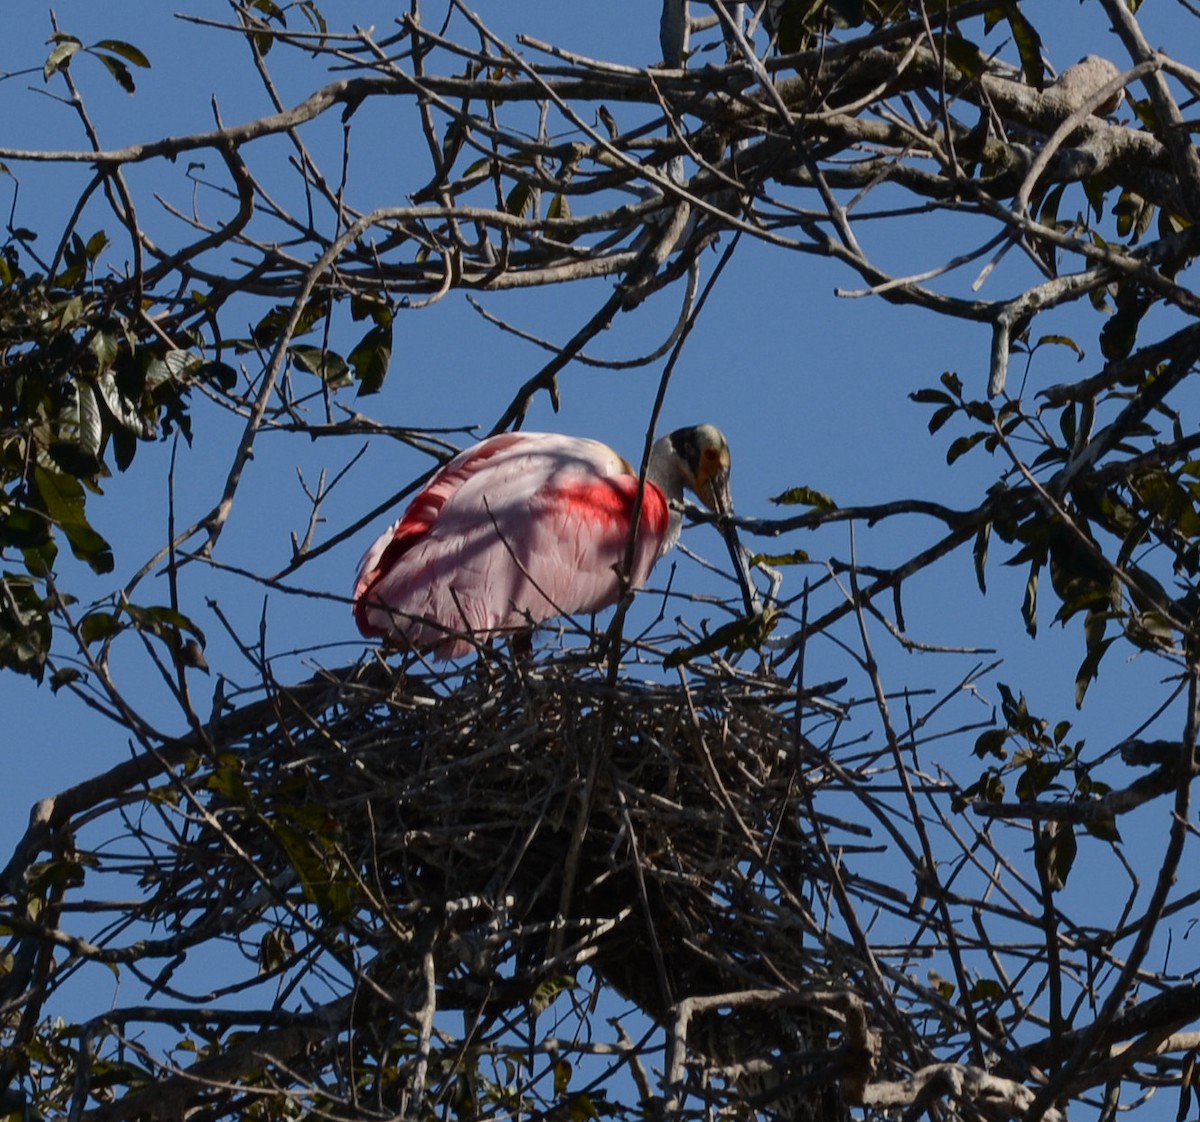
(609, 502)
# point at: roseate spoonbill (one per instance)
(524, 526)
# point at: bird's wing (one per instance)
(423, 511)
(520, 528)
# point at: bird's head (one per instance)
(703, 456)
(698, 458)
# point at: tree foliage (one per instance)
(695, 872)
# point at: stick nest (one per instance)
(470, 843)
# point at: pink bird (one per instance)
(525, 526)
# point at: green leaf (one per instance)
(1037, 777)
(162, 622)
(796, 557)
(952, 382)
(980, 553)
(91, 420)
(327, 365)
(1029, 603)
(96, 626)
(62, 499)
(320, 877)
(520, 200)
(275, 950)
(1146, 591)
(96, 245)
(39, 558)
(804, 496)
(791, 25)
(988, 989)
(991, 743)
(746, 633)
(174, 366)
(1029, 46)
(124, 447)
(371, 358)
(1060, 853)
(122, 409)
(220, 373)
(1103, 827)
(226, 779)
(270, 327)
(1048, 214)
(1089, 668)
(989, 788)
(1150, 630)
(167, 795)
(372, 308)
(980, 411)
(22, 529)
(61, 56)
(25, 630)
(965, 55)
(963, 444)
(582, 1108)
(1077, 579)
(105, 349)
(846, 13)
(1061, 341)
(1119, 334)
(64, 677)
(1096, 190)
(68, 457)
(1050, 456)
(72, 310)
(1147, 115)
(127, 51)
(120, 72)
(562, 1077)
(1128, 207)
(931, 397)
(548, 989)
(478, 170)
(941, 416)
(314, 16)
(560, 207)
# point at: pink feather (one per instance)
(517, 529)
